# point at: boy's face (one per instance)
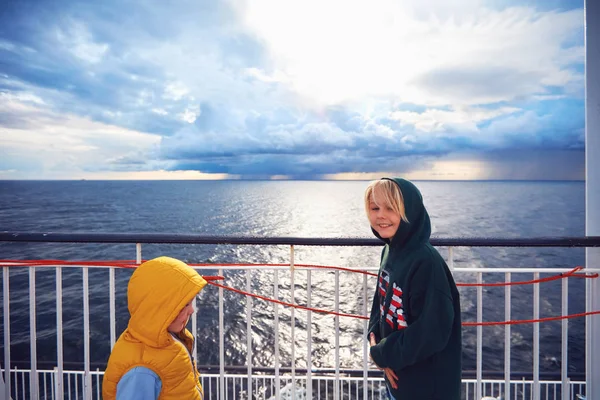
(182, 319)
(384, 220)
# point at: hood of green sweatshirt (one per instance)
(418, 228)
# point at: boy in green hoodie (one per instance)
(415, 325)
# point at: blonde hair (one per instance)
(385, 192)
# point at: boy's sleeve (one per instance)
(374, 318)
(431, 306)
(139, 383)
(375, 313)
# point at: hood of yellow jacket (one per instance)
(158, 290)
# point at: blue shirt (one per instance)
(139, 383)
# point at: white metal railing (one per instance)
(35, 383)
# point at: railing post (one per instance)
(87, 377)
(33, 374)
(59, 336)
(479, 355)
(309, 391)
(6, 319)
(365, 310)
(112, 307)
(276, 332)
(222, 394)
(536, 338)
(138, 253)
(3, 388)
(249, 360)
(336, 320)
(58, 390)
(507, 335)
(564, 377)
(592, 191)
(293, 316)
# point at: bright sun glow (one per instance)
(340, 50)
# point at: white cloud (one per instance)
(78, 40)
(175, 91)
(464, 120)
(190, 114)
(341, 50)
(159, 111)
(23, 97)
(65, 143)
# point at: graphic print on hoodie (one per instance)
(395, 313)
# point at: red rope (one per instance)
(572, 273)
(301, 307)
(530, 321)
(284, 303)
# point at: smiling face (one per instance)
(383, 219)
(385, 207)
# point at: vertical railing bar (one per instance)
(138, 253)
(564, 340)
(249, 332)
(309, 335)
(507, 337)
(195, 327)
(336, 392)
(536, 338)
(59, 333)
(16, 383)
(6, 318)
(451, 258)
(111, 301)
(221, 340)
(366, 338)
(87, 378)
(53, 383)
(479, 333)
(531, 391)
(276, 306)
(293, 319)
(33, 383)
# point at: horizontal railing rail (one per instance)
(174, 238)
(233, 369)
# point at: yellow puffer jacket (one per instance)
(158, 290)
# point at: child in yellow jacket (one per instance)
(153, 357)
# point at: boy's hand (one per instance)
(391, 375)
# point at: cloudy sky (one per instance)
(310, 89)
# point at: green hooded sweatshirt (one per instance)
(416, 310)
